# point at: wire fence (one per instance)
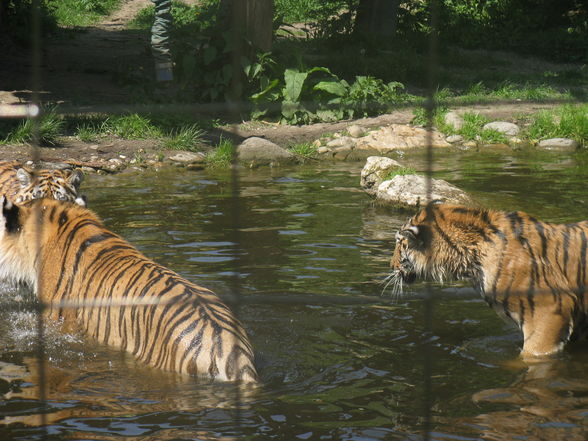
(32, 111)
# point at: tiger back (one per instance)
(93, 278)
(531, 272)
(20, 184)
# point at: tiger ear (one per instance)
(24, 177)
(75, 178)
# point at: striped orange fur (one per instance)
(20, 184)
(94, 279)
(533, 273)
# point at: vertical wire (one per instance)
(236, 88)
(35, 156)
(430, 107)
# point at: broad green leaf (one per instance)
(294, 82)
(332, 87)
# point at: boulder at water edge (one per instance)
(406, 190)
(258, 151)
(411, 190)
(374, 172)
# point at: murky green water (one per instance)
(338, 360)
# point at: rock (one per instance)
(355, 131)
(375, 171)
(342, 152)
(323, 150)
(400, 137)
(411, 190)
(506, 128)
(258, 151)
(188, 158)
(559, 144)
(454, 139)
(343, 141)
(470, 144)
(454, 120)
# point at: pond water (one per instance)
(339, 359)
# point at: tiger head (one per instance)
(440, 242)
(61, 185)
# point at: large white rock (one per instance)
(454, 120)
(560, 144)
(375, 171)
(411, 190)
(506, 128)
(259, 151)
(401, 137)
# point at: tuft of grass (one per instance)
(401, 171)
(222, 155)
(51, 127)
(132, 126)
(304, 151)
(472, 126)
(564, 122)
(187, 138)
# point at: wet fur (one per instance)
(531, 272)
(72, 261)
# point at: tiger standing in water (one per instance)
(72, 261)
(533, 273)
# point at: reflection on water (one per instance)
(338, 362)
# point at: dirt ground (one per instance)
(104, 67)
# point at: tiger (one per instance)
(93, 280)
(532, 273)
(20, 184)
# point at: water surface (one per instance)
(301, 256)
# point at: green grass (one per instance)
(187, 137)
(401, 171)
(222, 155)
(564, 122)
(78, 13)
(182, 14)
(50, 128)
(132, 126)
(305, 151)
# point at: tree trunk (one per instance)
(376, 18)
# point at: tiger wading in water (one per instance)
(533, 273)
(20, 184)
(71, 260)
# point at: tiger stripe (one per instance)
(140, 306)
(20, 184)
(534, 273)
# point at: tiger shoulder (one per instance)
(93, 278)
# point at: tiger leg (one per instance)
(547, 329)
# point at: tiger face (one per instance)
(20, 184)
(533, 273)
(426, 248)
